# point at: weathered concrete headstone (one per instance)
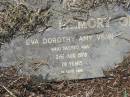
(73, 49)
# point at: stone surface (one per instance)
(31, 4)
(67, 54)
(74, 51)
(34, 4)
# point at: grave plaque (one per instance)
(72, 48)
(66, 54)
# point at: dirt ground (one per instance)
(115, 84)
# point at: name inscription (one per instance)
(68, 53)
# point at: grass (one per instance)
(19, 20)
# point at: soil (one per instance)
(115, 84)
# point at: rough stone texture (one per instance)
(34, 4)
(39, 59)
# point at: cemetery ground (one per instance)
(19, 19)
(115, 84)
